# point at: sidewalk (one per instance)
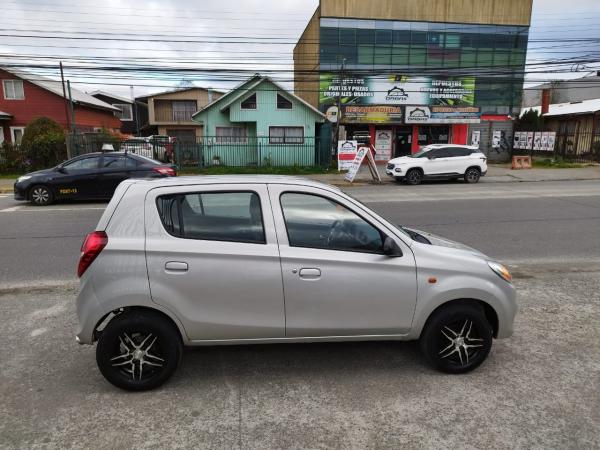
(496, 174)
(500, 173)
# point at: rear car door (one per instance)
(337, 281)
(113, 170)
(213, 259)
(79, 178)
(459, 159)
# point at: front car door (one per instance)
(79, 178)
(337, 281)
(213, 260)
(439, 162)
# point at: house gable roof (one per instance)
(176, 90)
(56, 88)
(113, 96)
(564, 109)
(249, 85)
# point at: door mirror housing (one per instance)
(391, 248)
(431, 157)
(61, 169)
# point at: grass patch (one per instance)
(9, 176)
(556, 164)
(265, 170)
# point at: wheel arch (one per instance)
(478, 168)
(108, 317)
(489, 311)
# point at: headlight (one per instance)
(23, 178)
(501, 271)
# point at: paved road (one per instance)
(509, 221)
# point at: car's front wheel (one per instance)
(41, 195)
(472, 175)
(414, 177)
(138, 350)
(457, 338)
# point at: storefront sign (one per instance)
(346, 154)
(396, 89)
(362, 153)
(372, 114)
(383, 145)
(442, 114)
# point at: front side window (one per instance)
(125, 112)
(13, 89)
(286, 135)
(83, 164)
(231, 135)
(317, 222)
(214, 216)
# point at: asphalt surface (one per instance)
(508, 221)
(538, 389)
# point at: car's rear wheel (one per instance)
(457, 338)
(472, 175)
(41, 195)
(138, 350)
(414, 177)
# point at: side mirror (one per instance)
(391, 248)
(431, 157)
(61, 169)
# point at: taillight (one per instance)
(168, 171)
(91, 248)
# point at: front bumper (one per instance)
(20, 192)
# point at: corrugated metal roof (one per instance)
(5, 114)
(56, 88)
(566, 109)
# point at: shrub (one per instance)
(43, 143)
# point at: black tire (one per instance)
(128, 364)
(441, 343)
(413, 177)
(41, 195)
(472, 175)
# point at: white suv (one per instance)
(439, 161)
(258, 259)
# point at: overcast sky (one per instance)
(127, 26)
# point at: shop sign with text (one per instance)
(372, 114)
(396, 89)
(442, 114)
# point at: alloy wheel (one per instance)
(459, 343)
(139, 356)
(473, 176)
(414, 177)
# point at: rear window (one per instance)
(213, 216)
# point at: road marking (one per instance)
(5, 195)
(42, 209)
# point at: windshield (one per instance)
(421, 153)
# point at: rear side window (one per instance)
(213, 216)
(460, 151)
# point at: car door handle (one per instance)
(310, 273)
(175, 266)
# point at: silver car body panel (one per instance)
(244, 293)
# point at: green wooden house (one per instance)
(260, 123)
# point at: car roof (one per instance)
(151, 183)
(433, 146)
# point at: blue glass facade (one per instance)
(493, 54)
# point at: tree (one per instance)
(531, 120)
(43, 143)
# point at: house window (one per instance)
(13, 90)
(126, 111)
(286, 135)
(283, 103)
(1, 135)
(16, 134)
(249, 103)
(231, 135)
(183, 110)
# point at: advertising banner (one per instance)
(383, 145)
(544, 144)
(442, 114)
(476, 138)
(496, 139)
(537, 141)
(346, 154)
(396, 89)
(362, 153)
(372, 114)
(529, 140)
(516, 140)
(551, 141)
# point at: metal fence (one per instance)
(212, 150)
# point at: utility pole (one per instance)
(73, 123)
(135, 111)
(339, 105)
(62, 78)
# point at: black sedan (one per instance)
(93, 176)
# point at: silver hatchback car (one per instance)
(261, 259)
